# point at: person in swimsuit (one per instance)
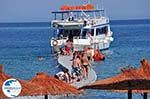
(77, 67)
(85, 64)
(89, 52)
(68, 47)
(67, 76)
(59, 75)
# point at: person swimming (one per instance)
(40, 58)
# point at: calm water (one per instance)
(22, 44)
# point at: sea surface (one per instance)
(21, 45)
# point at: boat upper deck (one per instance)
(64, 14)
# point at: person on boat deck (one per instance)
(59, 75)
(63, 51)
(89, 35)
(80, 54)
(68, 47)
(74, 77)
(76, 62)
(71, 17)
(74, 55)
(85, 64)
(67, 76)
(90, 53)
(76, 66)
(64, 76)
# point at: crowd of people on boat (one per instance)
(81, 63)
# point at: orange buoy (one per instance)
(98, 56)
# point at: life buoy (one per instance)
(55, 43)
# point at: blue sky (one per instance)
(39, 10)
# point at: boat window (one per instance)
(102, 30)
(76, 32)
(67, 33)
(92, 32)
(85, 31)
(63, 33)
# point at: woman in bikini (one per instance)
(85, 64)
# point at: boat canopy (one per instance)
(68, 11)
(78, 7)
(62, 14)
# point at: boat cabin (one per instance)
(82, 25)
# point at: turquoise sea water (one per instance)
(22, 44)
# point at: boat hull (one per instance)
(101, 46)
(80, 45)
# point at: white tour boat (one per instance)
(84, 25)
